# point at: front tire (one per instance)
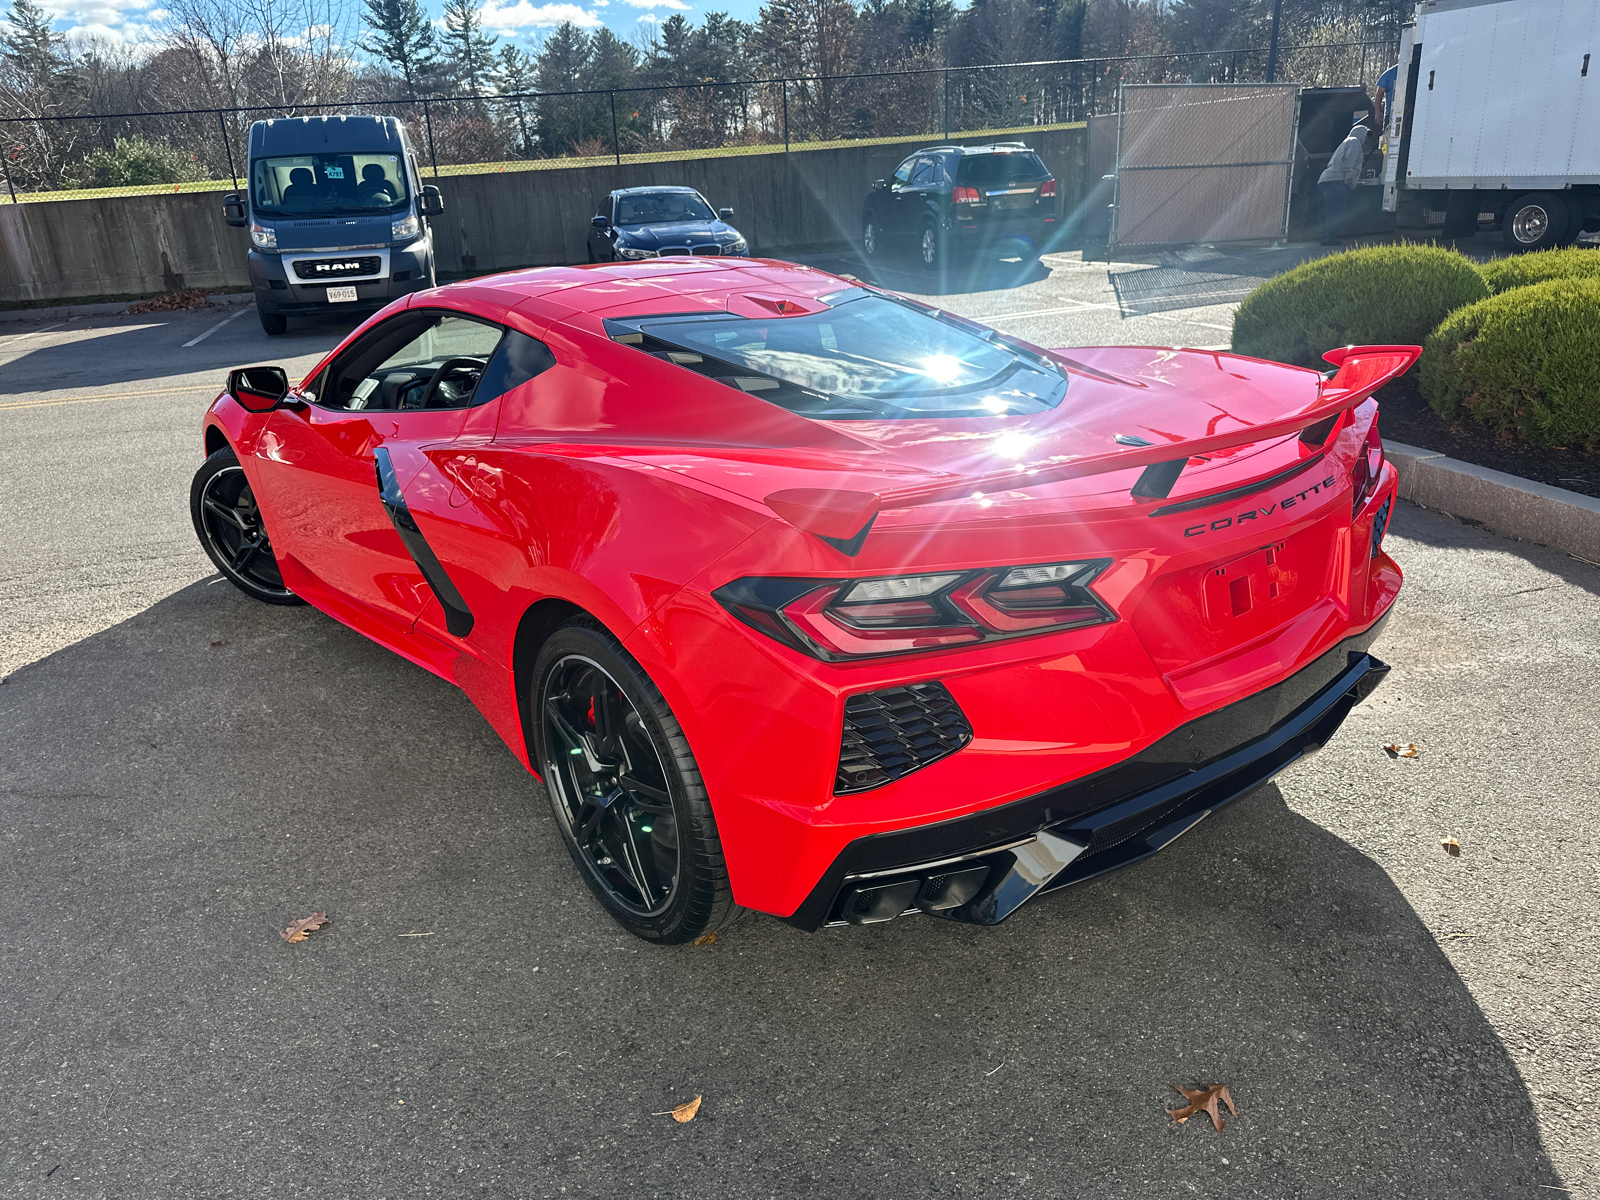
(624, 789)
(273, 324)
(871, 237)
(228, 523)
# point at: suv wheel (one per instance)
(930, 249)
(869, 237)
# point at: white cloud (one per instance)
(648, 18)
(523, 15)
(679, 5)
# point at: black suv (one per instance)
(949, 197)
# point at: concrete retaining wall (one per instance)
(61, 250)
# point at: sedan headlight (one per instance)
(737, 247)
(406, 228)
(264, 238)
(634, 252)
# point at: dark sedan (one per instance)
(648, 222)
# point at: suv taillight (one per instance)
(1368, 466)
(965, 195)
(1047, 188)
(857, 618)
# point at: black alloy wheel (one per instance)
(228, 522)
(625, 791)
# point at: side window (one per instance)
(602, 207)
(925, 171)
(516, 360)
(416, 360)
(902, 173)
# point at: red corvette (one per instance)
(804, 597)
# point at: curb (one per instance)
(1535, 512)
(65, 311)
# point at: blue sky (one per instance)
(522, 21)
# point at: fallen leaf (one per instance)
(707, 939)
(1409, 750)
(223, 642)
(1203, 1100)
(1451, 846)
(298, 929)
(684, 1113)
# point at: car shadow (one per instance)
(897, 269)
(176, 789)
(118, 349)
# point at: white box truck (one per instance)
(1497, 120)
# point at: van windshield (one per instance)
(325, 184)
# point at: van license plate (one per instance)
(341, 295)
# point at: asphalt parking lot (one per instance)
(182, 772)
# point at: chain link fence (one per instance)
(78, 157)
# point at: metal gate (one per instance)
(1204, 162)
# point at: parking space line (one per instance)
(99, 399)
(197, 340)
(1080, 305)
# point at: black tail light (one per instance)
(835, 619)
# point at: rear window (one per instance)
(1003, 169)
(869, 356)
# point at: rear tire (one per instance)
(624, 789)
(1537, 221)
(930, 248)
(228, 523)
(871, 237)
(273, 323)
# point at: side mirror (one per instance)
(600, 222)
(879, 184)
(233, 210)
(724, 214)
(259, 389)
(430, 203)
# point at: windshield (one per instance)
(662, 208)
(324, 184)
(869, 355)
(1002, 168)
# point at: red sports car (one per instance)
(805, 597)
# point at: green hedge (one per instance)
(1527, 360)
(1520, 270)
(1379, 295)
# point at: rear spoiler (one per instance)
(842, 518)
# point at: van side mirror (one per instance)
(724, 214)
(233, 210)
(430, 203)
(600, 222)
(258, 389)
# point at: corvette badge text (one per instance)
(1286, 503)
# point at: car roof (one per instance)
(347, 134)
(990, 148)
(664, 187)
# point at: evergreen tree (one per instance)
(467, 49)
(515, 73)
(398, 32)
(32, 49)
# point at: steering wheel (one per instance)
(458, 367)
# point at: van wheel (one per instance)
(273, 323)
(1537, 221)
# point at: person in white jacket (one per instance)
(1342, 173)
